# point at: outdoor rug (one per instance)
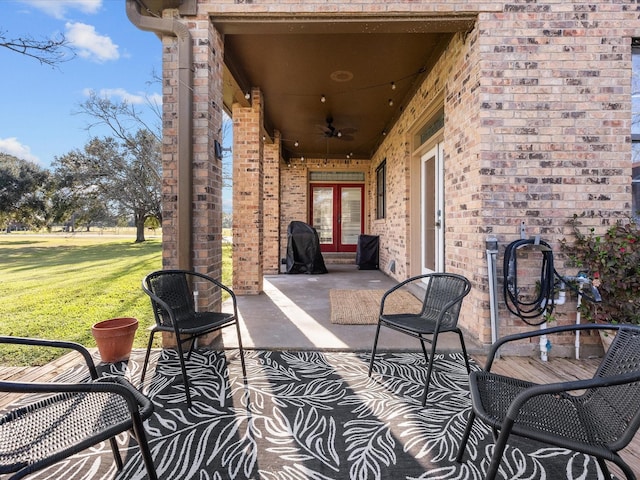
(312, 415)
(362, 307)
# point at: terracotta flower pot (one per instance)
(114, 338)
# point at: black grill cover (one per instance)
(303, 249)
(367, 252)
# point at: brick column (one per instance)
(248, 187)
(271, 240)
(170, 120)
(205, 249)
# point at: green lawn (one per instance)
(57, 286)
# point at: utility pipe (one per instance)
(492, 253)
(172, 27)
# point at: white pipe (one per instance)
(544, 350)
(492, 252)
(577, 345)
(581, 280)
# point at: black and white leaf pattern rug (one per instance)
(308, 415)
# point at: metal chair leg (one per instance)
(464, 351)
(116, 453)
(429, 367)
(183, 367)
(244, 368)
(373, 351)
(498, 450)
(465, 437)
(146, 357)
(143, 444)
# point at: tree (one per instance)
(48, 52)
(22, 191)
(123, 175)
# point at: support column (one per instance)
(271, 241)
(248, 196)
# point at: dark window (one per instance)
(381, 190)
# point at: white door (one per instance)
(432, 210)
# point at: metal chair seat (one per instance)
(201, 323)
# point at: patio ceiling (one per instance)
(365, 67)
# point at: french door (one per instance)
(432, 210)
(336, 213)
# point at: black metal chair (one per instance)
(439, 312)
(174, 308)
(598, 416)
(67, 418)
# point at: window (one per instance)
(635, 129)
(381, 190)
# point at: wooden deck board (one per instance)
(533, 369)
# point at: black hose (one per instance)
(544, 303)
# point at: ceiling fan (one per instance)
(330, 131)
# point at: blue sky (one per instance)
(40, 103)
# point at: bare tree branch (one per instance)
(48, 52)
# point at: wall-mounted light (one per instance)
(323, 99)
(296, 143)
(391, 102)
(393, 85)
(247, 95)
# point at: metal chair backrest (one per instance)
(618, 405)
(172, 288)
(444, 292)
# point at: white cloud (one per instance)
(89, 44)
(122, 95)
(13, 147)
(59, 8)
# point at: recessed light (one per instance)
(341, 76)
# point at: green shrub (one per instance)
(612, 261)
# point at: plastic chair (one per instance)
(598, 416)
(67, 418)
(174, 308)
(442, 300)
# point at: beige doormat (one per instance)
(362, 307)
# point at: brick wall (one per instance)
(248, 196)
(271, 206)
(537, 107)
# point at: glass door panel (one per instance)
(351, 215)
(322, 219)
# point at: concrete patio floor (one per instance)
(294, 313)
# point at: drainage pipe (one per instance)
(172, 27)
(492, 254)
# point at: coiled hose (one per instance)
(543, 304)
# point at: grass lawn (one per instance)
(57, 286)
